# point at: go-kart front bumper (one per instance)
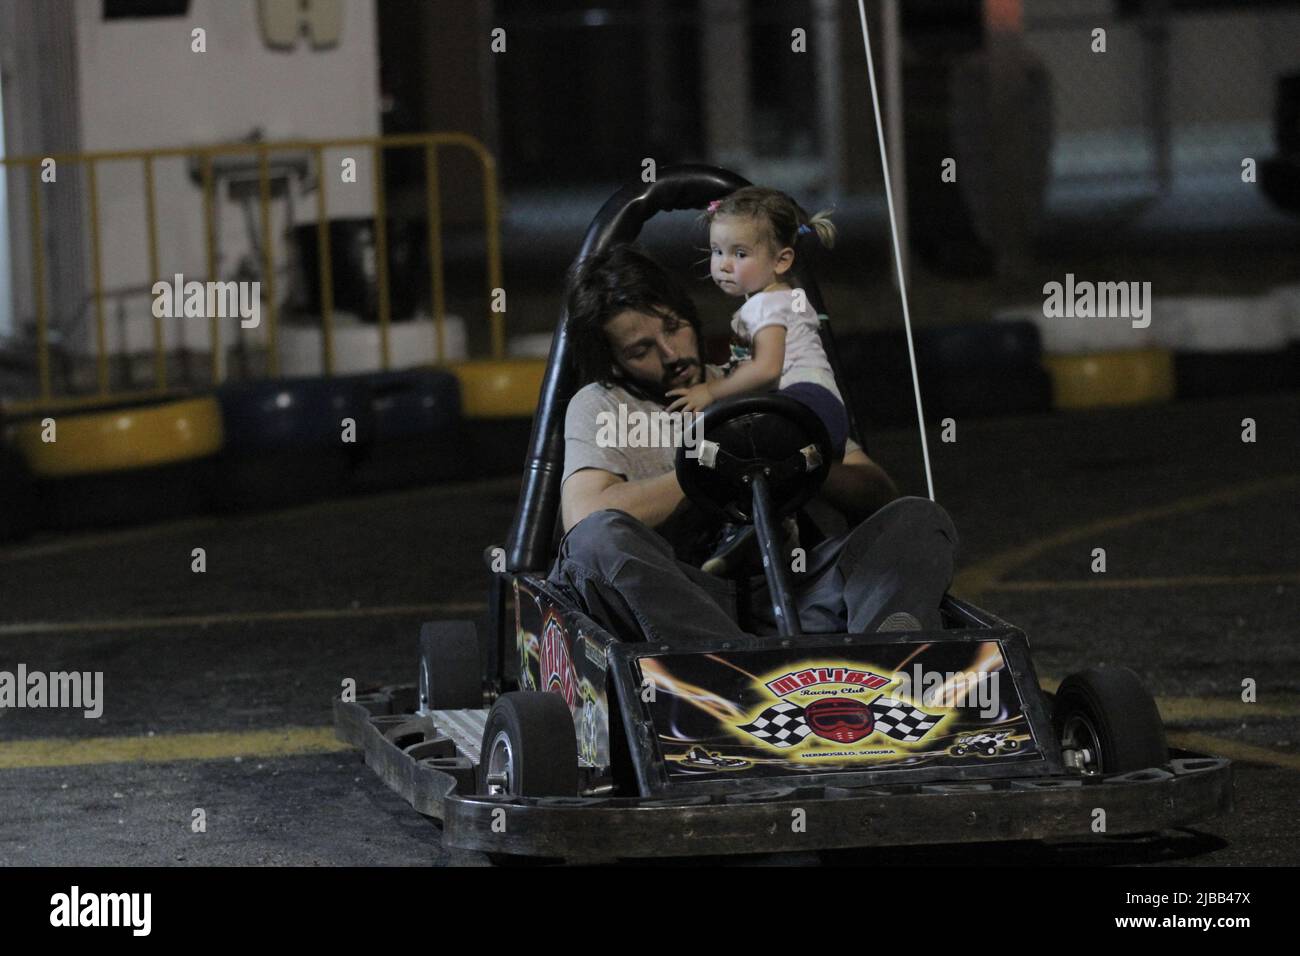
(436, 774)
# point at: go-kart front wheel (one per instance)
(1108, 722)
(530, 747)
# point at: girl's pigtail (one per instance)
(825, 229)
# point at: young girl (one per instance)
(752, 235)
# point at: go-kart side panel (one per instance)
(909, 707)
(563, 651)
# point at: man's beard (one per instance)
(658, 391)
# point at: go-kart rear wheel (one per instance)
(451, 669)
(530, 747)
(1106, 717)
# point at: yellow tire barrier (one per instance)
(121, 439)
(507, 388)
(1102, 379)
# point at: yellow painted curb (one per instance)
(121, 439)
(500, 389)
(166, 748)
(1136, 377)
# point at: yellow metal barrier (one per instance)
(429, 142)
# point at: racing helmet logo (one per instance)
(841, 719)
(557, 674)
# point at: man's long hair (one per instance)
(601, 286)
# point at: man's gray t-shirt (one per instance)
(583, 423)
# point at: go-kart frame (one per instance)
(640, 795)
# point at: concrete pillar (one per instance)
(830, 101)
(42, 117)
(724, 73)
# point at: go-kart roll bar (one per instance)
(688, 186)
(619, 220)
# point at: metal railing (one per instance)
(263, 151)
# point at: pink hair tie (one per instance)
(713, 206)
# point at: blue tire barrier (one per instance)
(418, 432)
(285, 440)
(990, 394)
(966, 371)
(879, 382)
(497, 446)
(142, 496)
(1221, 374)
(19, 515)
(1279, 178)
(978, 347)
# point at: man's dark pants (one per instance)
(627, 578)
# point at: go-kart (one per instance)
(555, 737)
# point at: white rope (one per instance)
(898, 252)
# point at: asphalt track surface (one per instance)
(217, 685)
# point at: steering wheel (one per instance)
(755, 459)
(736, 439)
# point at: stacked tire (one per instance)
(129, 462)
(982, 370)
(1288, 301)
(1228, 345)
(417, 430)
(969, 370)
(19, 514)
(1099, 362)
(498, 401)
(291, 441)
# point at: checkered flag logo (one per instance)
(781, 725)
(902, 721)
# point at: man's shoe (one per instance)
(738, 548)
(737, 543)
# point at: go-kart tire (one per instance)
(1119, 714)
(451, 670)
(540, 745)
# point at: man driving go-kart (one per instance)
(634, 544)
